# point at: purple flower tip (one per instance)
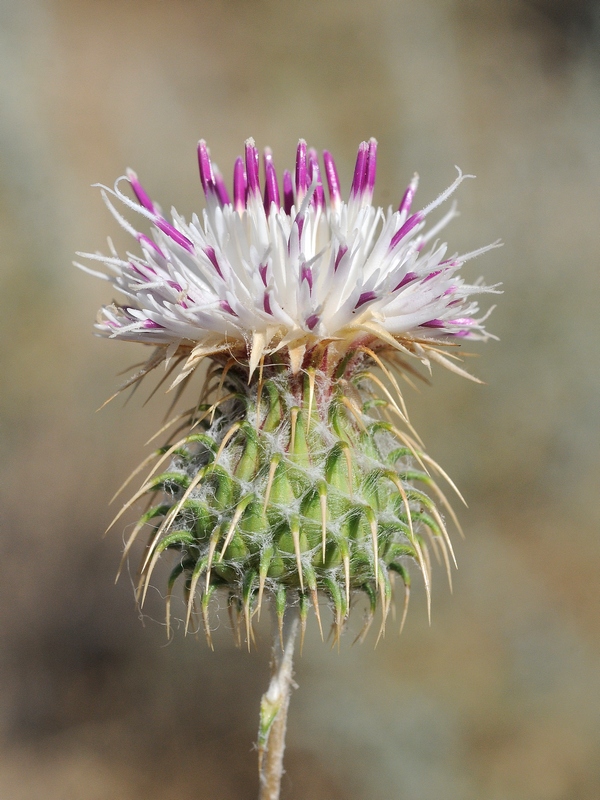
(333, 182)
(359, 169)
(306, 275)
(410, 276)
(253, 186)
(364, 298)
(311, 322)
(142, 197)
(271, 185)
(371, 168)
(207, 178)
(212, 257)
(288, 192)
(174, 234)
(314, 172)
(239, 185)
(409, 194)
(143, 239)
(226, 307)
(410, 223)
(301, 174)
(222, 193)
(340, 254)
(462, 321)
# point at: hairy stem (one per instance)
(273, 711)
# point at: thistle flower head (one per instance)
(270, 271)
(298, 472)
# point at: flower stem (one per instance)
(273, 710)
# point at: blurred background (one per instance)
(500, 698)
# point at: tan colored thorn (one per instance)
(235, 623)
(180, 390)
(444, 550)
(141, 577)
(302, 632)
(224, 372)
(436, 467)
(337, 629)
(262, 577)
(280, 629)
(168, 607)
(147, 573)
(135, 472)
(140, 493)
(425, 551)
(388, 374)
(174, 511)
(212, 410)
(155, 359)
(168, 373)
(385, 608)
(211, 374)
(130, 541)
(259, 343)
(346, 562)
(168, 613)
(392, 579)
(393, 403)
(206, 623)
(381, 333)
(165, 456)
(272, 468)
(435, 355)
(215, 371)
(241, 507)
(323, 503)
(248, 619)
(403, 367)
(404, 608)
(197, 574)
(296, 538)
(192, 410)
(375, 543)
(315, 601)
(259, 391)
(231, 432)
(311, 394)
(355, 413)
(426, 577)
(195, 358)
(212, 546)
(433, 540)
(446, 538)
(362, 634)
(293, 422)
(188, 412)
(445, 502)
(208, 389)
(407, 440)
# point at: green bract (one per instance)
(293, 485)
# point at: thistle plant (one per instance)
(295, 478)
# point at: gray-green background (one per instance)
(500, 698)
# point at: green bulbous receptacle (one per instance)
(293, 486)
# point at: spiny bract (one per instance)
(297, 473)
